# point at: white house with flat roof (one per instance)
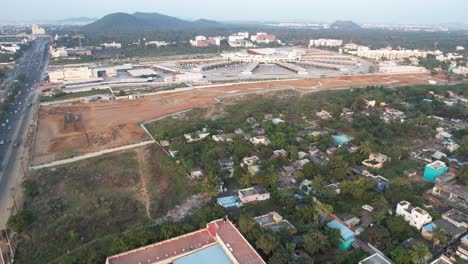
(415, 216)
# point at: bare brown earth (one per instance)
(112, 124)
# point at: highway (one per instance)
(14, 126)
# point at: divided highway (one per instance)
(14, 126)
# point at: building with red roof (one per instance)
(219, 243)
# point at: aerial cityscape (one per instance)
(213, 132)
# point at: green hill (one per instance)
(139, 21)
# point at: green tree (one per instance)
(210, 187)
(439, 236)
(366, 148)
(399, 228)
(420, 254)
(380, 202)
(338, 167)
(463, 174)
(267, 243)
(283, 255)
(314, 242)
(401, 256)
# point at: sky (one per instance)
(361, 11)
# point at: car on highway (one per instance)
(16, 144)
(2, 142)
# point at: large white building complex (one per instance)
(390, 54)
(266, 55)
(71, 74)
(325, 42)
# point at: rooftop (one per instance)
(204, 245)
(375, 259)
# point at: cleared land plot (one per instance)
(112, 124)
(80, 202)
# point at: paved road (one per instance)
(16, 122)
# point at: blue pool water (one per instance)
(210, 255)
(342, 139)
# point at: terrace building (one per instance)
(260, 140)
(376, 160)
(434, 170)
(219, 243)
(415, 216)
(196, 136)
(253, 194)
(275, 222)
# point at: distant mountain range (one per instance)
(138, 22)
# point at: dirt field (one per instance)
(97, 126)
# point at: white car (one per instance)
(2, 142)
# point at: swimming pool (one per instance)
(210, 255)
(342, 139)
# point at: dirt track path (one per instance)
(143, 169)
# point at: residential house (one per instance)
(164, 143)
(434, 170)
(288, 171)
(323, 115)
(332, 151)
(347, 112)
(453, 232)
(346, 234)
(223, 138)
(376, 160)
(249, 161)
(280, 153)
(253, 194)
(260, 140)
(451, 146)
(456, 217)
(251, 120)
(196, 136)
(238, 131)
(260, 131)
(277, 121)
(306, 186)
(196, 174)
(442, 260)
(376, 258)
(348, 220)
(299, 164)
(302, 154)
(275, 222)
(462, 249)
(227, 166)
(415, 216)
(410, 173)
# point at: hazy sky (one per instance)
(390, 11)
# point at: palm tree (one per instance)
(439, 236)
(419, 254)
(366, 148)
(421, 119)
